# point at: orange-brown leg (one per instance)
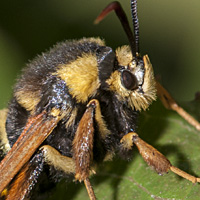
(170, 103)
(83, 143)
(83, 146)
(153, 157)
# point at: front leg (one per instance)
(171, 104)
(153, 157)
(83, 143)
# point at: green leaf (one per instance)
(117, 180)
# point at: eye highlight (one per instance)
(129, 80)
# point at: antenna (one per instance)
(135, 24)
(133, 38)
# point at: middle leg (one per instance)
(153, 157)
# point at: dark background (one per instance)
(169, 34)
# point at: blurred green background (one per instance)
(169, 34)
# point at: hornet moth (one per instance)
(75, 107)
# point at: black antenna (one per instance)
(135, 24)
(116, 6)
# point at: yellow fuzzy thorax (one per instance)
(81, 77)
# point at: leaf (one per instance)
(117, 180)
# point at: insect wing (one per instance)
(35, 132)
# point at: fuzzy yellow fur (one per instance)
(81, 77)
(4, 143)
(27, 100)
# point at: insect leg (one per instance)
(60, 162)
(89, 189)
(170, 103)
(66, 164)
(153, 157)
(83, 146)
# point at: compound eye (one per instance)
(129, 80)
